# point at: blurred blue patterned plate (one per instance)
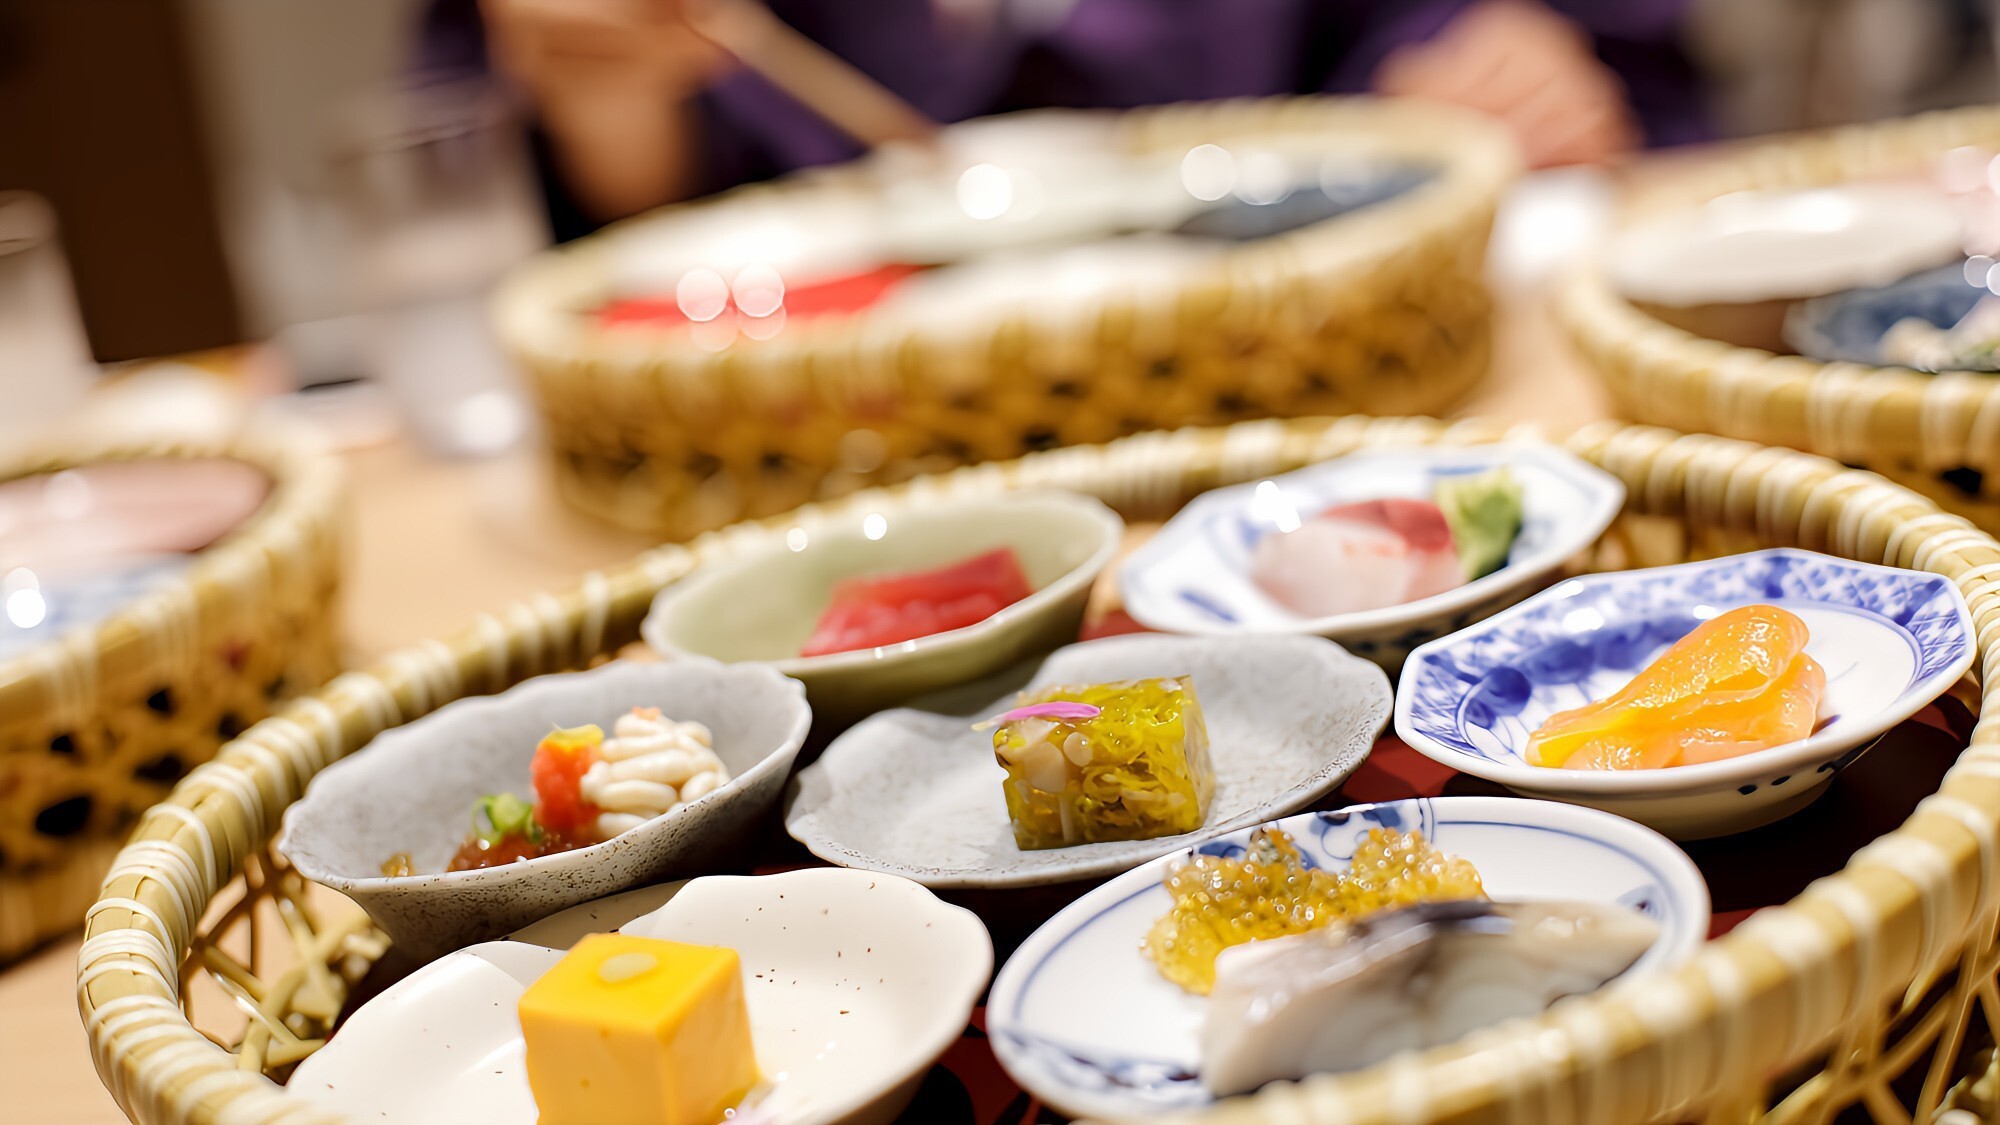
(1849, 325)
(1891, 641)
(1194, 576)
(1081, 1019)
(1343, 186)
(44, 608)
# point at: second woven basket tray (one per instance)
(1382, 310)
(1938, 434)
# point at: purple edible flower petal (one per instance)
(1054, 709)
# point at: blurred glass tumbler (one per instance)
(45, 363)
(439, 194)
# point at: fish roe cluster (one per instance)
(1392, 869)
(1271, 891)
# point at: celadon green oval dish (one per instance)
(762, 605)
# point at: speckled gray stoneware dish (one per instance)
(917, 792)
(413, 788)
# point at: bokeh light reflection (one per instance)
(701, 294)
(1208, 172)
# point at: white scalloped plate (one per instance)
(855, 983)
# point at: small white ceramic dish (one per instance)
(1083, 1020)
(1001, 202)
(1890, 640)
(1782, 245)
(1054, 282)
(98, 514)
(918, 793)
(1194, 576)
(763, 605)
(82, 543)
(412, 790)
(855, 983)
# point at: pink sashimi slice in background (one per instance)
(1357, 557)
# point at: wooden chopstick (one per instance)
(822, 81)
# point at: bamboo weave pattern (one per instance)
(96, 726)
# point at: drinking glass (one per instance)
(436, 186)
(45, 362)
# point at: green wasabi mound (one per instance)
(1484, 511)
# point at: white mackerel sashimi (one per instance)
(1348, 996)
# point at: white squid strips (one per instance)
(650, 766)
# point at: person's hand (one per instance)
(1527, 66)
(569, 51)
(611, 82)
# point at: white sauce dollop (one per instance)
(652, 765)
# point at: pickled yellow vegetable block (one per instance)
(1270, 892)
(1119, 761)
(629, 1030)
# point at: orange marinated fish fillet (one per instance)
(1785, 713)
(1739, 682)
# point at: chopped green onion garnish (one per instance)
(500, 815)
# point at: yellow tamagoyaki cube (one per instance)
(628, 1030)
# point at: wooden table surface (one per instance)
(435, 543)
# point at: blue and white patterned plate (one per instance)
(1194, 576)
(1849, 325)
(37, 609)
(1891, 641)
(1080, 1017)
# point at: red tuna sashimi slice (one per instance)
(892, 608)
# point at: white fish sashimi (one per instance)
(1347, 997)
(1330, 567)
(1357, 557)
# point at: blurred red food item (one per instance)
(892, 608)
(832, 296)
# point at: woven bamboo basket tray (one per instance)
(1379, 311)
(1859, 977)
(1936, 433)
(97, 725)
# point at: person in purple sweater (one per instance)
(635, 108)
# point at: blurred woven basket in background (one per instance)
(1382, 310)
(1874, 974)
(98, 724)
(1936, 433)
